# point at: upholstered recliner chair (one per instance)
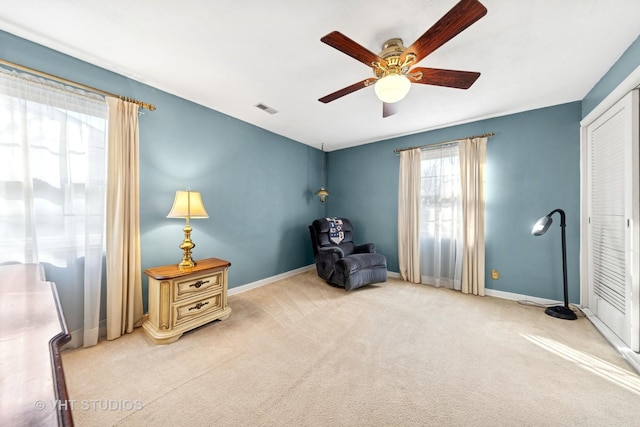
(339, 260)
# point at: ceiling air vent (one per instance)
(266, 108)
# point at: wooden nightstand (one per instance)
(183, 300)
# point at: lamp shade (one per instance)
(541, 226)
(322, 193)
(188, 204)
(392, 88)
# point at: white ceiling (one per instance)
(231, 55)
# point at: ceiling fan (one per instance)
(392, 66)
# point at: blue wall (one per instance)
(532, 168)
(257, 186)
(628, 62)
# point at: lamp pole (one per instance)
(563, 225)
(558, 311)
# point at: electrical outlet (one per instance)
(495, 274)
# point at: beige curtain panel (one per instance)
(409, 215)
(124, 275)
(473, 153)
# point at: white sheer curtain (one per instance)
(52, 183)
(441, 217)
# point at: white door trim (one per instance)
(632, 81)
(627, 85)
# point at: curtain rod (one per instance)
(141, 104)
(484, 135)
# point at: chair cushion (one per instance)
(358, 270)
(365, 276)
(355, 262)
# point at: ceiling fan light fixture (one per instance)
(392, 88)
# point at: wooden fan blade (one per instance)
(447, 78)
(353, 49)
(461, 16)
(389, 109)
(347, 90)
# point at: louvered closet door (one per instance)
(613, 216)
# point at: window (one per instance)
(52, 171)
(440, 216)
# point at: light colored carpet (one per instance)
(299, 352)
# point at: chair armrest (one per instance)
(367, 248)
(326, 261)
(329, 251)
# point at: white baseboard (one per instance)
(630, 356)
(625, 351)
(266, 281)
(519, 297)
(393, 274)
(77, 336)
(76, 339)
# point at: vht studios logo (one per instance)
(90, 405)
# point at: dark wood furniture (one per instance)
(32, 330)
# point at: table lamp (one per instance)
(188, 205)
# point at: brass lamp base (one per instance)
(187, 245)
(186, 264)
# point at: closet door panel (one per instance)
(613, 213)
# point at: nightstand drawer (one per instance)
(193, 310)
(198, 285)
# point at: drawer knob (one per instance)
(198, 306)
(199, 283)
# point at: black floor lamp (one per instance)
(541, 227)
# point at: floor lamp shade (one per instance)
(187, 204)
(541, 226)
